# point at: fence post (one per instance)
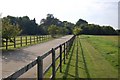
(26, 40)
(64, 53)
(21, 40)
(34, 39)
(60, 58)
(41, 38)
(30, 39)
(44, 37)
(14, 42)
(66, 50)
(47, 37)
(40, 68)
(37, 39)
(6, 44)
(68, 46)
(53, 64)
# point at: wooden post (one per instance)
(40, 68)
(21, 41)
(6, 44)
(37, 39)
(30, 40)
(66, 50)
(60, 58)
(14, 43)
(53, 64)
(44, 38)
(41, 38)
(47, 37)
(64, 53)
(68, 47)
(71, 42)
(26, 40)
(34, 39)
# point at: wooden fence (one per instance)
(64, 49)
(24, 40)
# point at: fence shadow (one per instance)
(84, 61)
(76, 66)
(68, 65)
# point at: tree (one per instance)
(81, 22)
(53, 29)
(108, 30)
(63, 31)
(77, 30)
(118, 31)
(9, 31)
(29, 27)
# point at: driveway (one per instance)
(12, 61)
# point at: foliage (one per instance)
(53, 30)
(77, 30)
(9, 30)
(30, 27)
(81, 22)
(93, 29)
(51, 20)
(118, 31)
(63, 30)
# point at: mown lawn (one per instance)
(107, 46)
(91, 57)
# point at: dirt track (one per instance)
(15, 60)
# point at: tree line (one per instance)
(52, 25)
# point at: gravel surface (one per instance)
(12, 61)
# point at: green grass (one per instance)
(87, 61)
(107, 46)
(98, 66)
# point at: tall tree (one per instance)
(9, 31)
(81, 22)
(53, 30)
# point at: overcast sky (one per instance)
(102, 12)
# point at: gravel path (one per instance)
(15, 60)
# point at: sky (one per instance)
(102, 12)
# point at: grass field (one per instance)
(92, 57)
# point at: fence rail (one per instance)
(21, 41)
(63, 50)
